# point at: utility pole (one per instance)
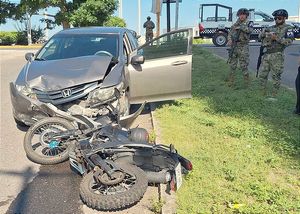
(168, 16)
(139, 17)
(120, 9)
(157, 24)
(176, 14)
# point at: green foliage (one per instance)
(202, 41)
(115, 21)
(93, 13)
(20, 37)
(7, 10)
(77, 12)
(8, 38)
(156, 205)
(245, 150)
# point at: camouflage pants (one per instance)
(271, 62)
(149, 36)
(241, 56)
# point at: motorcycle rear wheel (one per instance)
(124, 194)
(46, 151)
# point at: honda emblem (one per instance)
(66, 93)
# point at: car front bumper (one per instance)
(28, 111)
(25, 109)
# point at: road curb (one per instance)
(169, 205)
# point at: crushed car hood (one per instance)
(53, 75)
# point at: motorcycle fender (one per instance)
(77, 166)
(127, 120)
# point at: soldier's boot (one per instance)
(264, 91)
(246, 80)
(273, 96)
(231, 79)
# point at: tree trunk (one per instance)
(65, 24)
(29, 29)
(63, 9)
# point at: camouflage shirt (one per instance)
(285, 37)
(243, 28)
(149, 25)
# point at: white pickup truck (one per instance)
(217, 26)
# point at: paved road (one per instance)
(290, 65)
(29, 187)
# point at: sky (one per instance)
(188, 12)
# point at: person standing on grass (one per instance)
(275, 39)
(238, 39)
(149, 25)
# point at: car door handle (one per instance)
(179, 62)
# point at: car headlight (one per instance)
(27, 91)
(100, 95)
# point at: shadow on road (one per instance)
(54, 190)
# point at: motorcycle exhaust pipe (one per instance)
(161, 177)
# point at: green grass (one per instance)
(244, 149)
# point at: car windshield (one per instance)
(70, 45)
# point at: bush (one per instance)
(8, 38)
(20, 38)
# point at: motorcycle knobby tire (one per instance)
(119, 200)
(43, 159)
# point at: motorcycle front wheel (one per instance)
(41, 149)
(126, 190)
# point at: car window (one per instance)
(133, 41)
(49, 48)
(69, 46)
(166, 46)
(258, 18)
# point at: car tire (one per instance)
(220, 39)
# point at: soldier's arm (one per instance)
(287, 39)
(262, 34)
(144, 25)
(153, 25)
(247, 28)
(232, 29)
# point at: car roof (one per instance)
(94, 30)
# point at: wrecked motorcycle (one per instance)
(117, 164)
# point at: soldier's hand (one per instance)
(274, 37)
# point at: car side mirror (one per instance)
(137, 60)
(29, 56)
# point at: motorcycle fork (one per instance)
(98, 161)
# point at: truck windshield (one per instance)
(73, 45)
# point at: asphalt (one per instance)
(54, 190)
(290, 64)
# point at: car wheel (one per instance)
(220, 39)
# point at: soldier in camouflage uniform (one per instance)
(238, 39)
(149, 25)
(275, 39)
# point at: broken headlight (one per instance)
(100, 95)
(27, 91)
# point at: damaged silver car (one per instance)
(80, 70)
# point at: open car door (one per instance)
(166, 71)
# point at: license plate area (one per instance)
(178, 176)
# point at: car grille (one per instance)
(65, 95)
